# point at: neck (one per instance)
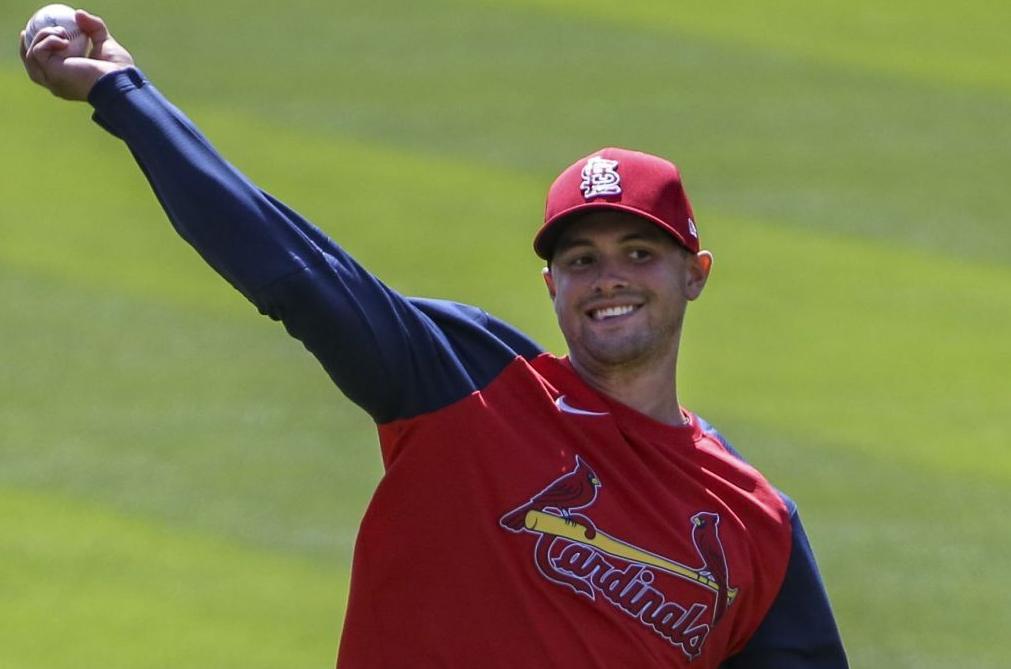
(650, 389)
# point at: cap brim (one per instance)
(544, 242)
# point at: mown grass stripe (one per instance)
(917, 40)
(114, 591)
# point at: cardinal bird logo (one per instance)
(575, 490)
(571, 552)
(706, 537)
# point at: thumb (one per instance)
(93, 27)
(103, 45)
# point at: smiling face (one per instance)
(620, 286)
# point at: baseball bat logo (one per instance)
(572, 552)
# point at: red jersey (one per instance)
(667, 551)
(523, 519)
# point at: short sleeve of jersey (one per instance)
(394, 356)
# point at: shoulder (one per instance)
(466, 325)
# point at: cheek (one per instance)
(562, 304)
(668, 284)
(558, 289)
(565, 300)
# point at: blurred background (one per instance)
(180, 484)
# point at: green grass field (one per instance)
(180, 485)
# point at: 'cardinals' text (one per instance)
(570, 551)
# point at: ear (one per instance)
(549, 281)
(697, 270)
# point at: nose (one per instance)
(610, 278)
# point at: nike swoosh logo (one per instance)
(568, 408)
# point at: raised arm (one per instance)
(396, 357)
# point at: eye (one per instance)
(580, 260)
(640, 254)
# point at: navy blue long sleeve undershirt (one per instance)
(395, 357)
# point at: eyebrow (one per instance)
(648, 236)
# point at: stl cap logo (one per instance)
(600, 177)
(691, 228)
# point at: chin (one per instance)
(614, 354)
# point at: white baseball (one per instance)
(58, 16)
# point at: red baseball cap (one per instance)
(631, 181)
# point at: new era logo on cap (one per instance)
(600, 177)
(623, 180)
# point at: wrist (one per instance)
(108, 81)
(101, 70)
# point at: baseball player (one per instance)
(535, 511)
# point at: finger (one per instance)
(46, 33)
(36, 73)
(32, 67)
(50, 44)
(42, 52)
(34, 70)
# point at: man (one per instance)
(535, 511)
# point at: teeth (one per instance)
(611, 312)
